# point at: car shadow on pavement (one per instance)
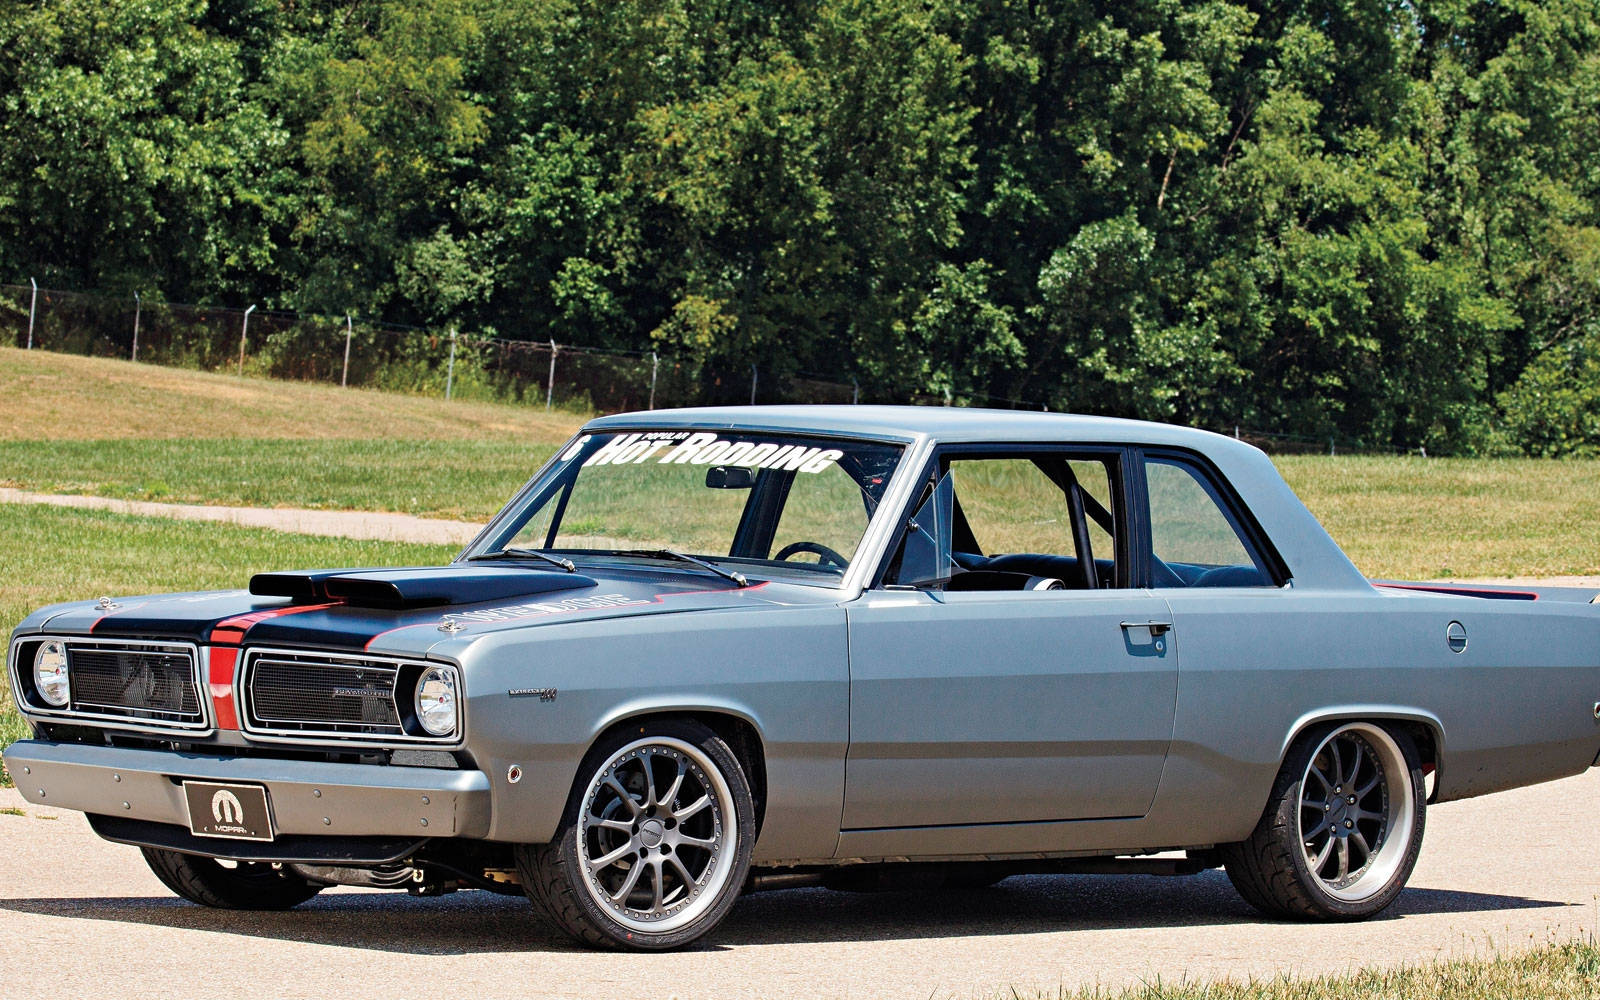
(475, 922)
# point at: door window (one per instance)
(1033, 521)
(1194, 540)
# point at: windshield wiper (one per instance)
(726, 574)
(514, 552)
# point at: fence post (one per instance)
(655, 366)
(137, 307)
(450, 373)
(33, 306)
(550, 384)
(754, 375)
(855, 391)
(1331, 449)
(243, 332)
(344, 379)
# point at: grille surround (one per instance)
(173, 671)
(352, 699)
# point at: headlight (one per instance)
(50, 677)
(436, 701)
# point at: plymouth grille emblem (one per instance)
(355, 692)
(226, 809)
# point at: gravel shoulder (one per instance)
(65, 892)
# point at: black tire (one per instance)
(1293, 865)
(569, 880)
(236, 885)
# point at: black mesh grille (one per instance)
(304, 695)
(156, 684)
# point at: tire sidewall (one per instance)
(569, 859)
(1288, 815)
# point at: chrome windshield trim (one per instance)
(199, 666)
(885, 523)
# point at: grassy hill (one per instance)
(111, 428)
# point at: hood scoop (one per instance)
(421, 587)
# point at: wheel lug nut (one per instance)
(1348, 824)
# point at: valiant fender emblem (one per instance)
(451, 625)
(543, 694)
(107, 604)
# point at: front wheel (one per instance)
(229, 885)
(1342, 830)
(656, 842)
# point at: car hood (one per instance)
(407, 611)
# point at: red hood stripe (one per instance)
(232, 630)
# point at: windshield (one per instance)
(762, 503)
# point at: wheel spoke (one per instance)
(1361, 842)
(1327, 786)
(693, 808)
(677, 785)
(1338, 762)
(622, 793)
(610, 824)
(655, 876)
(1344, 858)
(649, 778)
(1322, 856)
(621, 895)
(705, 844)
(683, 873)
(608, 860)
(1362, 815)
(1366, 789)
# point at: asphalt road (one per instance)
(86, 918)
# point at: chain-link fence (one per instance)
(349, 351)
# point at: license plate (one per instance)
(234, 812)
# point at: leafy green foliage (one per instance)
(1372, 221)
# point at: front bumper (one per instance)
(306, 798)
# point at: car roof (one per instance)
(943, 423)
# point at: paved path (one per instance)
(338, 523)
(1497, 873)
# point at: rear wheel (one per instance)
(656, 843)
(1342, 830)
(229, 885)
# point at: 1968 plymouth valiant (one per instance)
(705, 651)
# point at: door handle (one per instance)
(1157, 629)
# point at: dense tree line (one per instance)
(1373, 219)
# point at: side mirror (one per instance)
(927, 561)
(730, 477)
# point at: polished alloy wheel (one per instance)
(654, 834)
(1357, 811)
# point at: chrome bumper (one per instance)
(307, 798)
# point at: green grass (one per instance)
(53, 554)
(463, 480)
(1560, 971)
(45, 396)
(1422, 518)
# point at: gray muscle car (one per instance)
(707, 651)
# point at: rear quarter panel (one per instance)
(1256, 668)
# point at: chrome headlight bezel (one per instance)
(52, 674)
(436, 701)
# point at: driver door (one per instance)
(1004, 705)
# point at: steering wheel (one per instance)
(825, 555)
